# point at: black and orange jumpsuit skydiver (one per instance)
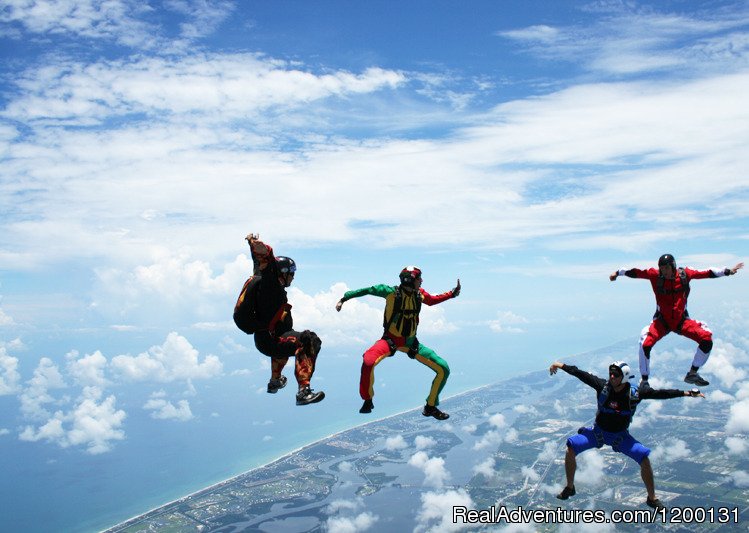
(671, 312)
(400, 335)
(279, 340)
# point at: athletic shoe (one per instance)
(643, 386)
(366, 407)
(655, 504)
(695, 379)
(431, 410)
(566, 493)
(276, 383)
(307, 395)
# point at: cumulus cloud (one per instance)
(174, 360)
(36, 395)
(507, 322)
(93, 422)
(9, 375)
(727, 363)
(485, 468)
(361, 522)
(421, 442)
(737, 445)
(395, 443)
(5, 319)
(740, 478)
(433, 468)
(497, 436)
(590, 469)
(670, 451)
(436, 513)
(165, 410)
(738, 417)
(88, 370)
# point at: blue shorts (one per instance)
(621, 442)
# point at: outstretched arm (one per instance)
(713, 272)
(262, 254)
(634, 273)
(432, 299)
(665, 394)
(375, 290)
(586, 377)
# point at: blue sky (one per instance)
(528, 148)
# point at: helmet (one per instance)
(623, 368)
(409, 275)
(667, 259)
(285, 265)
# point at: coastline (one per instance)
(136, 518)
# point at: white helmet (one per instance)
(624, 367)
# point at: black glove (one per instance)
(456, 290)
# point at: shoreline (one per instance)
(135, 519)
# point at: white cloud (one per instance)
(166, 410)
(530, 474)
(507, 322)
(670, 451)
(433, 469)
(9, 376)
(738, 417)
(117, 20)
(590, 469)
(497, 436)
(724, 363)
(395, 443)
(719, 396)
(361, 522)
(436, 513)
(421, 442)
(92, 423)
(5, 319)
(498, 420)
(736, 445)
(36, 395)
(176, 359)
(549, 452)
(485, 468)
(740, 478)
(88, 370)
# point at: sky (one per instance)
(528, 148)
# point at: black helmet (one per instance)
(409, 275)
(285, 265)
(667, 259)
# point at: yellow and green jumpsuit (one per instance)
(401, 320)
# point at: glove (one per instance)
(456, 290)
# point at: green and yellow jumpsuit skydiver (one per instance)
(400, 323)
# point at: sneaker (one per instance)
(431, 410)
(655, 504)
(643, 386)
(307, 395)
(276, 383)
(695, 379)
(366, 407)
(566, 493)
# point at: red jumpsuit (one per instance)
(671, 312)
